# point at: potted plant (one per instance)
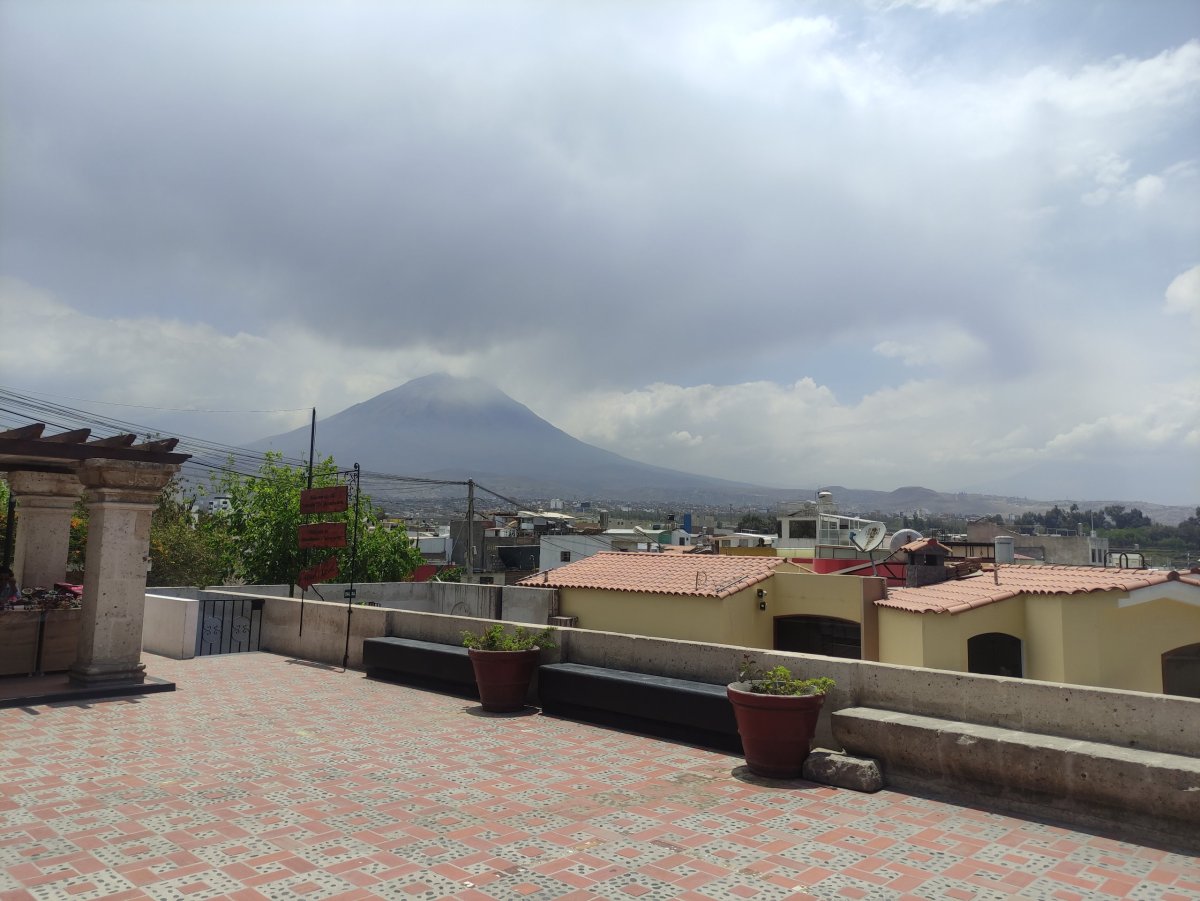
(776, 715)
(504, 663)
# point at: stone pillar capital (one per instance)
(44, 489)
(45, 501)
(124, 481)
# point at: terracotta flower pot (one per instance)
(777, 730)
(503, 677)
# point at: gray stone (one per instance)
(861, 774)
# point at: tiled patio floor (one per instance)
(265, 778)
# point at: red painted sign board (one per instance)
(325, 500)
(324, 571)
(323, 534)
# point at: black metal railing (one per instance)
(229, 626)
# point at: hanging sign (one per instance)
(322, 534)
(324, 571)
(325, 500)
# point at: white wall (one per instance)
(170, 623)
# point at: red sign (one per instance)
(324, 571)
(323, 534)
(325, 500)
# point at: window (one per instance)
(802, 528)
(1181, 671)
(819, 635)
(564, 556)
(994, 654)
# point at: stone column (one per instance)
(121, 497)
(45, 501)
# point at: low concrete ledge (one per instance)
(1083, 781)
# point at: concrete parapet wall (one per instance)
(510, 603)
(463, 599)
(1130, 718)
(524, 604)
(1088, 780)
(1152, 722)
(323, 636)
(169, 626)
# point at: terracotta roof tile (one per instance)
(958, 595)
(925, 544)
(700, 575)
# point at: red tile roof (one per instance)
(958, 595)
(925, 544)
(700, 575)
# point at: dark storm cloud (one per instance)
(822, 216)
(393, 181)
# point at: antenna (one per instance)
(868, 537)
(903, 537)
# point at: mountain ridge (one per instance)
(446, 427)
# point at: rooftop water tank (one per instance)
(1004, 549)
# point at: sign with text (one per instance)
(325, 500)
(324, 571)
(323, 534)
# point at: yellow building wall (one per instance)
(767, 551)
(735, 620)
(659, 615)
(901, 637)
(1084, 639)
(1081, 636)
(1132, 640)
(806, 594)
(1044, 650)
(939, 640)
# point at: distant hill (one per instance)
(445, 427)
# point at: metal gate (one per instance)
(228, 625)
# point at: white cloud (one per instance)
(1148, 189)
(944, 7)
(687, 438)
(171, 364)
(1183, 294)
(932, 344)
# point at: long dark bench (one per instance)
(678, 709)
(426, 664)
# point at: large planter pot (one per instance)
(777, 730)
(503, 677)
(19, 630)
(60, 641)
(18, 641)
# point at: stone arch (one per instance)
(825, 635)
(1181, 671)
(995, 654)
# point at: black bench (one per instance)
(426, 664)
(678, 709)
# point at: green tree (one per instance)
(762, 523)
(258, 535)
(182, 550)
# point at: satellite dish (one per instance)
(869, 536)
(903, 537)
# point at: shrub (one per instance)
(779, 680)
(494, 638)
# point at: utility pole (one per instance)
(312, 443)
(470, 555)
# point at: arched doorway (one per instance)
(1181, 671)
(995, 654)
(819, 635)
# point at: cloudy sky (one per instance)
(953, 243)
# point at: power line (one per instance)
(113, 403)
